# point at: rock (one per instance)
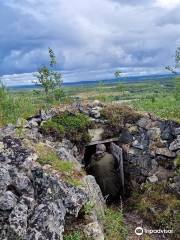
(138, 145)
(133, 129)
(34, 122)
(153, 179)
(167, 130)
(66, 155)
(5, 178)
(141, 140)
(8, 201)
(177, 131)
(144, 122)
(174, 146)
(95, 194)
(9, 130)
(23, 184)
(154, 134)
(165, 152)
(95, 112)
(94, 231)
(97, 103)
(18, 222)
(125, 136)
(47, 221)
(33, 203)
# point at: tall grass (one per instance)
(167, 107)
(13, 106)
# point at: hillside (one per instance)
(46, 194)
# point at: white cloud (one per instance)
(169, 4)
(88, 35)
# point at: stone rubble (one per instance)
(34, 203)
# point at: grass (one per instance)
(88, 207)
(167, 107)
(157, 206)
(76, 235)
(66, 169)
(156, 96)
(13, 107)
(114, 226)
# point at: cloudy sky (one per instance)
(91, 38)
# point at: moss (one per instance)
(66, 168)
(114, 224)
(72, 126)
(177, 162)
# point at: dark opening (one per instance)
(90, 150)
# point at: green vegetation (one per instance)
(117, 115)
(159, 97)
(49, 79)
(76, 235)
(88, 207)
(66, 168)
(12, 106)
(73, 126)
(177, 162)
(157, 206)
(114, 224)
(165, 107)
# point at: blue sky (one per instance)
(91, 38)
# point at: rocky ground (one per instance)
(36, 202)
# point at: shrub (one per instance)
(53, 128)
(117, 115)
(72, 126)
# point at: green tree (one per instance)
(117, 73)
(47, 77)
(174, 69)
(120, 86)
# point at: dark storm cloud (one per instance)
(87, 36)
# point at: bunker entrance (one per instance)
(114, 150)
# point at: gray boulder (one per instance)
(5, 178)
(47, 222)
(175, 145)
(144, 122)
(165, 152)
(8, 201)
(177, 131)
(18, 222)
(125, 136)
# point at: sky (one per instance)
(91, 38)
